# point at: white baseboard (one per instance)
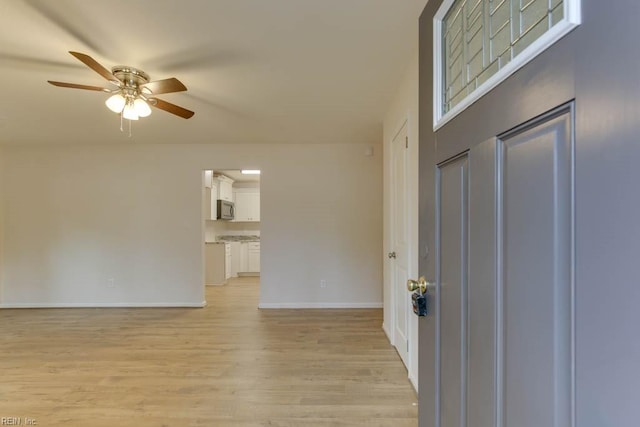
(106, 305)
(299, 305)
(387, 333)
(414, 382)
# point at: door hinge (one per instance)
(406, 142)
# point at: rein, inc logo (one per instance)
(18, 421)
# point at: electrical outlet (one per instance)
(323, 283)
(111, 283)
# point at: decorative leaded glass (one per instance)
(479, 37)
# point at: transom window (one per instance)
(479, 43)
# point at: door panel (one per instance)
(483, 316)
(537, 165)
(452, 295)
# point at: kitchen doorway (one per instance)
(231, 225)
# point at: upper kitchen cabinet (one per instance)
(247, 204)
(225, 187)
(210, 204)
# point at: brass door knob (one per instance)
(421, 284)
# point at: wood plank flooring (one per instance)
(228, 364)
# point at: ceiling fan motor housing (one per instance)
(130, 77)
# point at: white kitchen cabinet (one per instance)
(247, 204)
(227, 260)
(249, 257)
(253, 258)
(214, 202)
(225, 187)
(210, 204)
(243, 265)
(235, 258)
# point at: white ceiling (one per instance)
(238, 176)
(294, 71)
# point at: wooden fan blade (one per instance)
(95, 66)
(164, 86)
(171, 108)
(76, 86)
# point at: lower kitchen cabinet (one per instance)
(254, 257)
(227, 260)
(235, 258)
(249, 257)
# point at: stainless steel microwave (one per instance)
(226, 210)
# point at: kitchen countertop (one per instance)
(226, 239)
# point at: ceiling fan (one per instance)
(133, 92)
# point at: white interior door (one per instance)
(400, 246)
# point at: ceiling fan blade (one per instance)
(95, 66)
(76, 86)
(171, 108)
(164, 86)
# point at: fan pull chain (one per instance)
(122, 125)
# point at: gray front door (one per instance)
(509, 233)
(504, 334)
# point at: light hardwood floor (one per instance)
(228, 364)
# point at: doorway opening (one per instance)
(231, 229)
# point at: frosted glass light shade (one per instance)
(141, 107)
(129, 112)
(115, 103)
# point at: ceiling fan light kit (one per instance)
(141, 107)
(134, 91)
(130, 98)
(115, 103)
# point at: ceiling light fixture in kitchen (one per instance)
(250, 172)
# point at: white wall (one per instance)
(213, 229)
(77, 216)
(403, 108)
